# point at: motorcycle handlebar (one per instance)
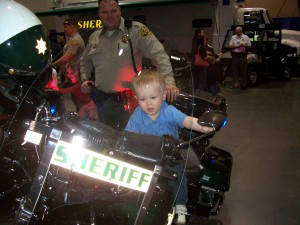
(5, 92)
(214, 119)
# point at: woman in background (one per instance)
(199, 44)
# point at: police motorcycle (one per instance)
(58, 169)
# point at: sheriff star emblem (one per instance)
(41, 46)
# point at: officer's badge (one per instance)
(145, 31)
(125, 38)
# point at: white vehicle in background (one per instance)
(267, 56)
(246, 16)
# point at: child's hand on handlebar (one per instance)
(206, 129)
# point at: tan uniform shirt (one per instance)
(75, 45)
(111, 57)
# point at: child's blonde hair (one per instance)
(148, 76)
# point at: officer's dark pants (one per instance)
(239, 69)
(113, 112)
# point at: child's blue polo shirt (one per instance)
(167, 121)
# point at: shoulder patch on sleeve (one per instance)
(145, 31)
(73, 43)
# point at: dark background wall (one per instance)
(173, 23)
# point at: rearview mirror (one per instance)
(214, 119)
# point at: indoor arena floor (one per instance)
(263, 135)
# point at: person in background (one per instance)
(154, 116)
(114, 53)
(83, 102)
(239, 45)
(72, 50)
(199, 44)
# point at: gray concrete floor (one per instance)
(263, 135)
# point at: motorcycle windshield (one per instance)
(72, 170)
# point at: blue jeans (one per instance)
(182, 195)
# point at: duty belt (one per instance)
(117, 96)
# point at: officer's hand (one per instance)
(172, 92)
(85, 88)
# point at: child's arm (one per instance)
(69, 89)
(191, 123)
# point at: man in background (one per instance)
(72, 50)
(239, 45)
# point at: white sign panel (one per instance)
(101, 167)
